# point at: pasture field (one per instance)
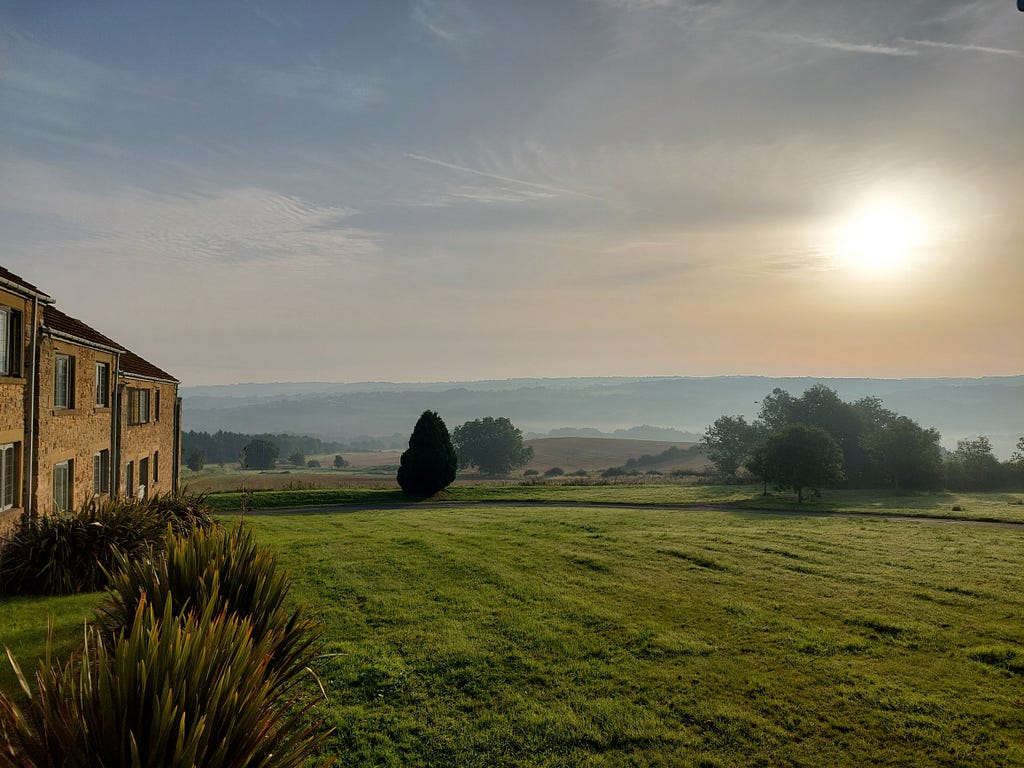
(376, 469)
(994, 507)
(597, 453)
(562, 636)
(559, 636)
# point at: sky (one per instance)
(441, 190)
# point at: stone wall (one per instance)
(153, 439)
(15, 395)
(75, 433)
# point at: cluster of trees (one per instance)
(226, 447)
(259, 453)
(494, 446)
(817, 440)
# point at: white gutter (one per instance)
(80, 341)
(24, 291)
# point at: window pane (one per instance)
(102, 384)
(61, 486)
(5, 341)
(64, 381)
(7, 475)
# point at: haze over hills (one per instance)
(679, 408)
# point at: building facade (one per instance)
(81, 416)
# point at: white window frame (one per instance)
(101, 472)
(9, 475)
(64, 398)
(138, 406)
(102, 385)
(6, 362)
(65, 468)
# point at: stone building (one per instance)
(81, 416)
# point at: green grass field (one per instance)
(560, 636)
(996, 507)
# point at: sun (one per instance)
(880, 237)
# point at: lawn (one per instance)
(561, 636)
(1001, 507)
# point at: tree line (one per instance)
(222, 447)
(818, 440)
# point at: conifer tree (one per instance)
(429, 464)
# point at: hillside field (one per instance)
(597, 453)
(561, 636)
(376, 469)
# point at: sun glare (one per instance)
(880, 238)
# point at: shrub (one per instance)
(173, 690)
(554, 472)
(579, 473)
(66, 553)
(184, 512)
(531, 473)
(227, 570)
(313, 464)
(429, 464)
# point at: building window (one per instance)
(102, 385)
(144, 478)
(156, 405)
(129, 479)
(10, 342)
(8, 474)
(64, 382)
(138, 406)
(156, 466)
(101, 472)
(62, 474)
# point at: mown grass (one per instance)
(560, 636)
(998, 507)
(24, 624)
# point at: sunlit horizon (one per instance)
(436, 190)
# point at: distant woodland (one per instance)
(381, 415)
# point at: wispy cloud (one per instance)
(499, 177)
(330, 88)
(214, 225)
(831, 43)
(481, 195)
(965, 48)
(449, 21)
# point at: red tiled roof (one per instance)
(12, 278)
(56, 320)
(133, 364)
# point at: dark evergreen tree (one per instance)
(429, 464)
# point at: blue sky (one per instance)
(443, 189)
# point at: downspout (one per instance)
(29, 472)
(115, 427)
(176, 457)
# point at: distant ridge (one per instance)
(957, 407)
